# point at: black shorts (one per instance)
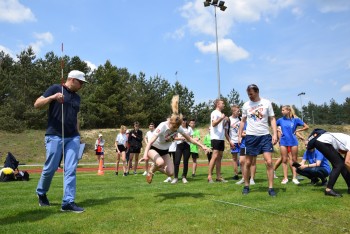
(194, 155)
(242, 151)
(134, 150)
(218, 145)
(121, 148)
(160, 151)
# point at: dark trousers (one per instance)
(313, 173)
(337, 162)
(181, 149)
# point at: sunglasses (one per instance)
(80, 82)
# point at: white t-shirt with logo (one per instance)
(233, 129)
(257, 114)
(339, 141)
(217, 132)
(165, 136)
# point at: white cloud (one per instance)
(200, 20)
(326, 6)
(42, 40)
(298, 12)
(345, 88)
(227, 49)
(177, 35)
(7, 51)
(91, 65)
(14, 12)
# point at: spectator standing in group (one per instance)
(99, 149)
(157, 148)
(135, 143)
(217, 135)
(232, 137)
(289, 124)
(332, 145)
(121, 146)
(148, 136)
(182, 149)
(207, 143)
(257, 112)
(61, 100)
(193, 147)
(317, 167)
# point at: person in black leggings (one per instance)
(331, 145)
(182, 148)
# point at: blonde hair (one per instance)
(291, 111)
(122, 128)
(175, 118)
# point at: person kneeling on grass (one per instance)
(317, 168)
(158, 146)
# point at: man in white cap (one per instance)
(54, 98)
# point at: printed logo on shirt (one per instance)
(169, 136)
(256, 113)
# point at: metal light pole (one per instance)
(301, 105)
(222, 8)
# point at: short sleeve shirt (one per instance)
(217, 132)
(233, 129)
(339, 141)
(71, 107)
(257, 114)
(288, 127)
(165, 136)
(121, 139)
(314, 156)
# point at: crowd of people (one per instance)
(253, 132)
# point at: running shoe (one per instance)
(284, 181)
(296, 181)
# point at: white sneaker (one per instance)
(284, 181)
(184, 180)
(145, 173)
(240, 182)
(296, 181)
(251, 182)
(174, 181)
(167, 180)
(274, 175)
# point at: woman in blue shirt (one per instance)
(289, 124)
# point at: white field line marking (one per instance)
(282, 215)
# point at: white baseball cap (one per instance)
(100, 134)
(77, 75)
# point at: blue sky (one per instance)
(284, 46)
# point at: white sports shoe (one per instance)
(296, 181)
(167, 180)
(174, 181)
(184, 180)
(284, 181)
(274, 175)
(251, 182)
(240, 182)
(145, 173)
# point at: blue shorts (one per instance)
(236, 150)
(256, 145)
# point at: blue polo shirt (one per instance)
(313, 156)
(288, 127)
(71, 107)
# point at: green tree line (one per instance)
(114, 96)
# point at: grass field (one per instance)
(117, 204)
